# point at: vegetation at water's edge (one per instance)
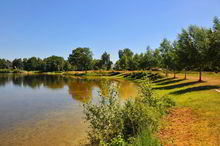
(11, 71)
(131, 122)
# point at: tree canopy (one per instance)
(81, 58)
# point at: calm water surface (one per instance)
(43, 110)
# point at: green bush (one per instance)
(115, 122)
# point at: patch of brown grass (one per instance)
(184, 127)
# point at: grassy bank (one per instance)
(11, 71)
(17, 71)
(195, 120)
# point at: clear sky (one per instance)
(54, 27)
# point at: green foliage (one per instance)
(125, 59)
(145, 138)
(106, 63)
(102, 64)
(54, 63)
(81, 58)
(113, 122)
(17, 64)
(32, 64)
(5, 64)
(149, 59)
(128, 61)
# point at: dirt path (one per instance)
(184, 128)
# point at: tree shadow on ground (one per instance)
(199, 88)
(171, 82)
(176, 86)
(162, 80)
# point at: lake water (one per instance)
(46, 110)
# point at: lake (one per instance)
(46, 110)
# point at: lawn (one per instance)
(196, 118)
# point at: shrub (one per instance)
(115, 122)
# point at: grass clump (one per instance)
(115, 122)
(11, 71)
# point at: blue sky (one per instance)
(54, 27)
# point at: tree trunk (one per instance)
(200, 75)
(174, 74)
(185, 76)
(166, 72)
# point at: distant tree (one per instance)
(148, 60)
(81, 58)
(165, 49)
(106, 63)
(157, 58)
(169, 57)
(135, 65)
(17, 63)
(54, 63)
(5, 64)
(125, 52)
(67, 66)
(174, 59)
(33, 63)
(96, 64)
(123, 62)
(125, 56)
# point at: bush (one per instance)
(116, 122)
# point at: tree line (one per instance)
(80, 59)
(195, 48)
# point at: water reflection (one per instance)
(80, 89)
(38, 109)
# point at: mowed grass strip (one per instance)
(196, 118)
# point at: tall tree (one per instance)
(165, 49)
(194, 44)
(125, 56)
(125, 52)
(106, 63)
(157, 58)
(81, 58)
(148, 60)
(215, 45)
(174, 59)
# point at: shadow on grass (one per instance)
(176, 86)
(171, 82)
(199, 88)
(162, 80)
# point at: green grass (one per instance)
(201, 97)
(11, 71)
(146, 139)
